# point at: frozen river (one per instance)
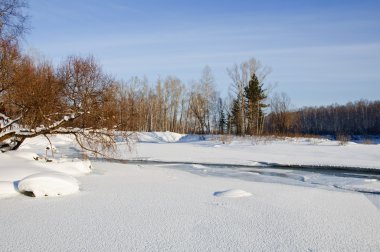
(330, 178)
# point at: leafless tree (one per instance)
(12, 19)
(280, 120)
(9, 58)
(354, 118)
(77, 99)
(203, 102)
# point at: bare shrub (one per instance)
(343, 139)
(268, 139)
(368, 141)
(225, 139)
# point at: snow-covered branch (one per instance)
(6, 122)
(11, 139)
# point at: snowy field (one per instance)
(192, 199)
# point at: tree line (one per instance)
(37, 94)
(77, 97)
(355, 118)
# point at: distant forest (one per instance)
(358, 118)
(77, 97)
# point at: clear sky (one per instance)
(320, 52)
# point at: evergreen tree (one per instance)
(222, 121)
(221, 117)
(229, 123)
(255, 97)
(236, 117)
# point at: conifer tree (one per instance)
(255, 97)
(236, 117)
(221, 117)
(222, 121)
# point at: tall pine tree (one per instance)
(236, 117)
(255, 97)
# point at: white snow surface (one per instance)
(49, 184)
(30, 159)
(145, 208)
(232, 193)
(157, 137)
(7, 188)
(252, 151)
(126, 207)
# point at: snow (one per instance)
(145, 208)
(288, 151)
(157, 137)
(49, 184)
(370, 186)
(232, 193)
(20, 166)
(16, 165)
(192, 206)
(7, 188)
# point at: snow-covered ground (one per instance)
(252, 151)
(188, 207)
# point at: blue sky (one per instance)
(320, 52)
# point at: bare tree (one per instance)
(173, 90)
(12, 19)
(280, 119)
(197, 105)
(12, 26)
(76, 100)
(207, 88)
(239, 82)
(9, 58)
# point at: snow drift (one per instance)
(232, 193)
(49, 184)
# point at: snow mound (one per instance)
(49, 184)
(158, 137)
(7, 188)
(233, 193)
(192, 138)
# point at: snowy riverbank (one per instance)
(252, 151)
(138, 208)
(154, 207)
